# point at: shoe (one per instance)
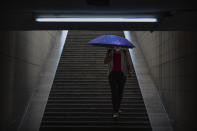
(115, 115)
(119, 111)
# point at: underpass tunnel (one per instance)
(52, 79)
(164, 62)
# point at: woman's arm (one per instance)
(108, 57)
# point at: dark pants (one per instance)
(117, 81)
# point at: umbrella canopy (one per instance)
(111, 40)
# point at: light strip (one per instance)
(96, 19)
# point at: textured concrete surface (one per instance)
(156, 112)
(33, 116)
(24, 57)
(171, 57)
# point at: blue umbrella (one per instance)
(111, 40)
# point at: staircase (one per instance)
(80, 97)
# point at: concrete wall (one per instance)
(171, 57)
(23, 55)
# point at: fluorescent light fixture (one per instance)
(96, 19)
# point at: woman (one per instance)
(119, 68)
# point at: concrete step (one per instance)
(81, 62)
(91, 118)
(85, 81)
(92, 92)
(101, 114)
(87, 76)
(91, 95)
(83, 72)
(79, 95)
(126, 91)
(63, 76)
(77, 109)
(60, 101)
(95, 118)
(92, 84)
(95, 128)
(88, 37)
(97, 105)
(63, 68)
(91, 67)
(76, 82)
(83, 44)
(64, 79)
(95, 123)
(90, 88)
(89, 48)
(83, 57)
(75, 53)
(88, 33)
(125, 98)
(84, 54)
(81, 37)
(82, 51)
(99, 90)
(71, 90)
(83, 67)
(77, 70)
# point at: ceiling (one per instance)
(172, 14)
